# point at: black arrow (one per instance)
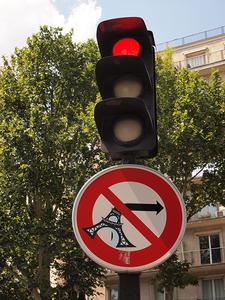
(145, 207)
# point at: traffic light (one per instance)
(125, 75)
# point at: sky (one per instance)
(168, 19)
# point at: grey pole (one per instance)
(129, 286)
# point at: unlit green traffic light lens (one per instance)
(127, 130)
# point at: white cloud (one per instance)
(84, 18)
(19, 19)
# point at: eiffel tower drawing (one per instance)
(108, 223)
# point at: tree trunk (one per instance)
(44, 268)
(81, 296)
(35, 294)
(169, 294)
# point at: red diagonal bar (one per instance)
(133, 219)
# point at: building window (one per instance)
(113, 294)
(196, 60)
(213, 289)
(210, 249)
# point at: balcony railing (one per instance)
(204, 257)
(201, 60)
(191, 38)
(217, 298)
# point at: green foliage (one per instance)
(79, 272)
(174, 273)
(11, 288)
(191, 118)
(46, 92)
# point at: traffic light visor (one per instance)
(122, 76)
(123, 36)
(124, 122)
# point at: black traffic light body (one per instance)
(126, 118)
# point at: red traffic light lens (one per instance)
(126, 46)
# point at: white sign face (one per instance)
(132, 191)
(129, 218)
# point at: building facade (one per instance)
(201, 52)
(203, 244)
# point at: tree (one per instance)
(174, 273)
(191, 116)
(11, 287)
(46, 156)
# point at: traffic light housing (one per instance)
(125, 75)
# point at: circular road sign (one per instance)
(129, 218)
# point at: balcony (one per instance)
(203, 60)
(205, 262)
(220, 298)
(200, 257)
(208, 213)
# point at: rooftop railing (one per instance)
(191, 38)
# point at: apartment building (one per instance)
(202, 52)
(203, 244)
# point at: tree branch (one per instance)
(198, 172)
(21, 277)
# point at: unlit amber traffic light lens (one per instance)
(128, 86)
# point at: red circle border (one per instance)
(113, 258)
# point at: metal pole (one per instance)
(129, 286)
(129, 283)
